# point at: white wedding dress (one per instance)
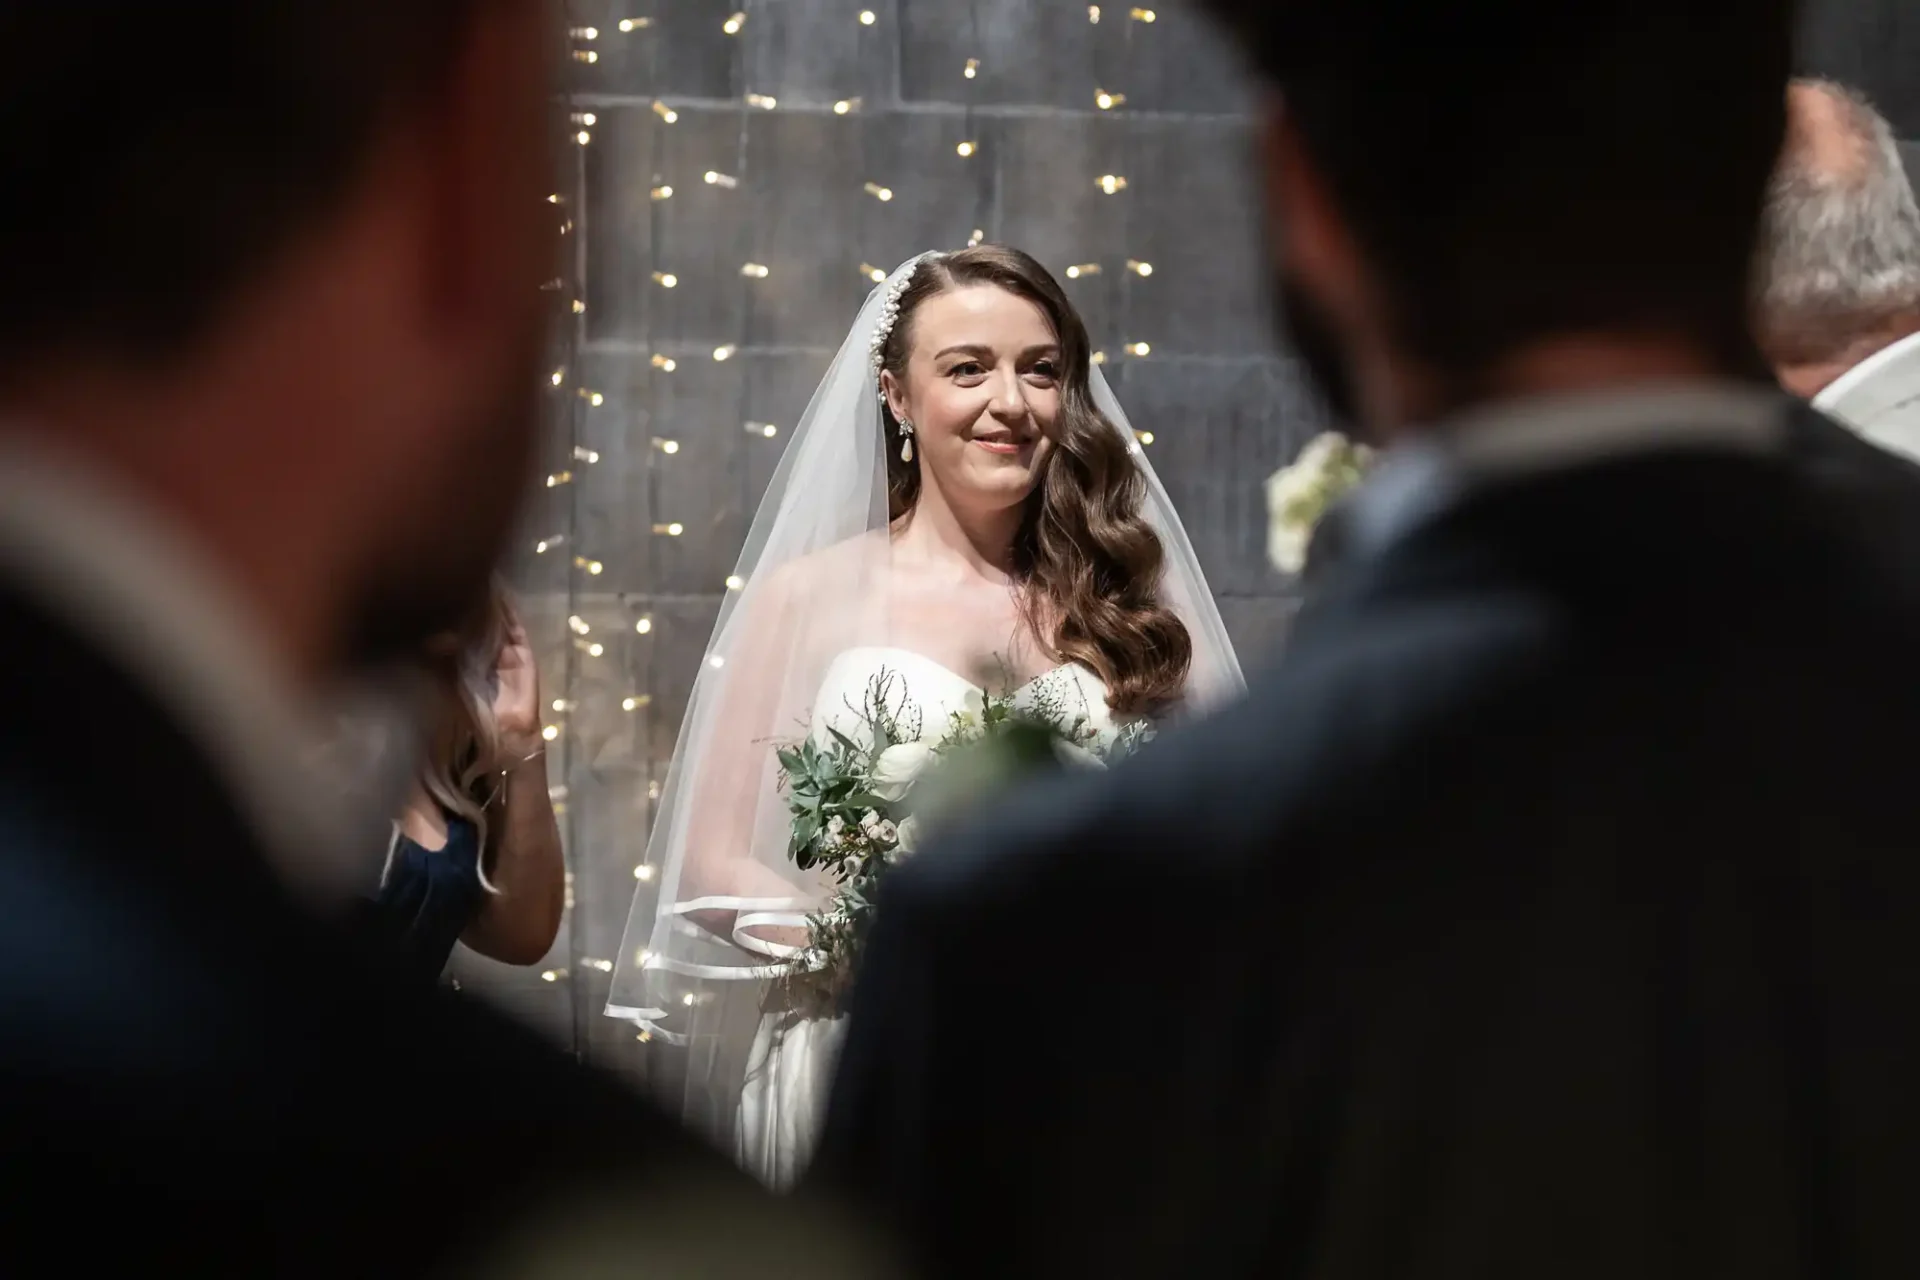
(790, 1066)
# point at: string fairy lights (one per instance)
(604, 692)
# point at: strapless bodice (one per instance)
(936, 693)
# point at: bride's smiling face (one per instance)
(982, 389)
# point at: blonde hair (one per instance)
(463, 736)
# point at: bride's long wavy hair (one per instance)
(1089, 562)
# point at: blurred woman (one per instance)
(475, 855)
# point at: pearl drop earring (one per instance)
(906, 441)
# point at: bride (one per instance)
(962, 509)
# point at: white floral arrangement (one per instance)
(859, 801)
(1300, 493)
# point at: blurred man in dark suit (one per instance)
(1550, 911)
(270, 327)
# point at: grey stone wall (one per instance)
(799, 114)
(1873, 45)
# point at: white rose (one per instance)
(1076, 757)
(1298, 494)
(836, 826)
(898, 767)
(907, 835)
(870, 824)
(887, 833)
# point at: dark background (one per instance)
(1225, 407)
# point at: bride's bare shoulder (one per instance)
(838, 567)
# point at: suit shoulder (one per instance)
(1213, 796)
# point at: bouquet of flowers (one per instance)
(860, 800)
(1299, 494)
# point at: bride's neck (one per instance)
(979, 542)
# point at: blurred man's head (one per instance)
(277, 267)
(1840, 274)
(1457, 186)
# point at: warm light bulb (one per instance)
(666, 279)
(665, 364)
(1093, 13)
(579, 307)
(580, 628)
(644, 626)
(977, 236)
(559, 376)
(872, 272)
(593, 398)
(1112, 182)
(553, 975)
(733, 24)
(1108, 101)
(1139, 349)
(769, 430)
(641, 872)
(965, 149)
(585, 454)
(762, 101)
(559, 478)
(1099, 357)
(1139, 268)
(716, 662)
(635, 24)
(586, 33)
(589, 119)
(670, 530)
(669, 446)
(867, 18)
(585, 55)
(551, 732)
(735, 582)
(878, 192)
(1146, 437)
(724, 353)
(845, 105)
(1143, 15)
(714, 178)
(665, 112)
(595, 650)
(754, 270)
(583, 137)
(662, 192)
(973, 68)
(1083, 269)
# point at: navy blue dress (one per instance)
(429, 898)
